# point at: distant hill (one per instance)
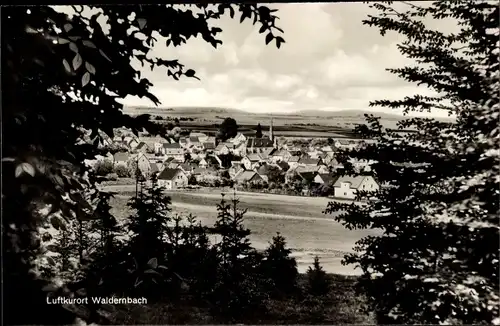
(317, 117)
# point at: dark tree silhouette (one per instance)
(318, 281)
(48, 56)
(258, 131)
(279, 267)
(438, 205)
(227, 129)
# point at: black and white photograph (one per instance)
(275, 163)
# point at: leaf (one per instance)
(137, 282)
(90, 68)
(279, 41)
(163, 267)
(51, 261)
(89, 44)
(153, 263)
(8, 159)
(189, 73)
(104, 55)
(66, 65)
(61, 40)
(85, 79)
(151, 271)
(231, 11)
(269, 38)
(67, 27)
(28, 168)
(142, 22)
(74, 38)
(73, 47)
(262, 29)
(77, 61)
(19, 171)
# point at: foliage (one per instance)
(227, 129)
(439, 204)
(123, 171)
(104, 167)
(318, 280)
(49, 56)
(192, 180)
(258, 131)
(236, 293)
(275, 174)
(279, 267)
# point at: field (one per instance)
(299, 124)
(308, 231)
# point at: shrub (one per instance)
(122, 171)
(103, 168)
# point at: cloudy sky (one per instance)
(330, 61)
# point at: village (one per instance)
(293, 166)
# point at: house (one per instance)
(174, 150)
(238, 139)
(250, 161)
(184, 143)
(121, 158)
(143, 163)
(239, 149)
(307, 161)
(346, 187)
(307, 177)
(203, 163)
(322, 168)
(153, 169)
(314, 153)
(247, 176)
(172, 179)
(208, 146)
(188, 168)
(282, 165)
(221, 149)
(263, 171)
(131, 142)
(345, 144)
(142, 148)
(235, 169)
(293, 161)
(326, 179)
(202, 138)
(195, 142)
(280, 155)
(258, 145)
(205, 174)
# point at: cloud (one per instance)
(330, 61)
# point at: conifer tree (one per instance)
(258, 131)
(149, 223)
(279, 267)
(318, 280)
(438, 206)
(237, 290)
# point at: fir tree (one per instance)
(279, 267)
(237, 292)
(318, 280)
(438, 206)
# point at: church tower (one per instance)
(271, 136)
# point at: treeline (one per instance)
(169, 258)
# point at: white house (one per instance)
(221, 149)
(174, 150)
(172, 179)
(121, 158)
(346, 187)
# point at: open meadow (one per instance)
(308, 231)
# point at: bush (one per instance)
(103, 168)
(112, 176)
(122, 171)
